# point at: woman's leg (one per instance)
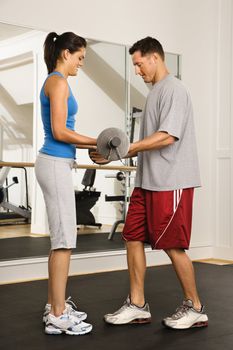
(59, 262)
(55, 178)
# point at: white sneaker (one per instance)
(66, 323)
(129, 313)
(186, 317)
(70, 307)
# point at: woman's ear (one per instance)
(65, 54)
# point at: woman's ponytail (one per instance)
(51, 52)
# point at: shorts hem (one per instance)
(63, 247)
(153, 247)
(170, 247)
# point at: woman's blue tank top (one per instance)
(51, 146)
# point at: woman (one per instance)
(64, 55)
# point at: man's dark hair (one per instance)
(147, 45)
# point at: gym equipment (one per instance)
(86, 199)
(113, 144)
(123, 199)
(20, 211)
(121, 169)
(135, 114)
(76, 166)
(124, 177)
(120, 176)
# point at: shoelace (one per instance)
(125, 304)
(180, 311)
(71, 302)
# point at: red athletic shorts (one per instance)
(162, 219)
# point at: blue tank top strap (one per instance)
(56, 73)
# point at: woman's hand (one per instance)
(97, 158)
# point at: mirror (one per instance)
(16, 117)
(102, 91)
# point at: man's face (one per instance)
(145, 66)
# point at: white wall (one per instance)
(192, 28)
(223, 131)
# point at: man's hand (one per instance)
(132, 152)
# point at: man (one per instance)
(160, 210)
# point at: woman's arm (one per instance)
(58, 92)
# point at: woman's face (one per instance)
(75, 61)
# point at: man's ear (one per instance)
(155, 56)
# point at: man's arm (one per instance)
(155, 141)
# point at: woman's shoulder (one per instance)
(54, 82)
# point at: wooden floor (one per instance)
(24, 230)
(216, 261)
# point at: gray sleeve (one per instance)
(173, 111)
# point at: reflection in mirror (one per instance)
(16, 118)
(100, 89)
(100, 92)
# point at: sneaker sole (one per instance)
(78, 333)
(195, 325)
(59, 331)
(141, 321)
(135, 321)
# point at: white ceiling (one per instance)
(8, 31)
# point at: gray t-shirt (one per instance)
(168, 108)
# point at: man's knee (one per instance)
(173, 252)
(134, 244)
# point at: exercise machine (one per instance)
(86, 199)
(11, 210)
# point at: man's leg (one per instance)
(137, 268)
(134, 309)
(185, 273)
(191, 313)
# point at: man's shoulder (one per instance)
(175, 88)
(175, 83)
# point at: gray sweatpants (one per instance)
(54, 176)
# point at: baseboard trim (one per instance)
(223, 253)
(22, 270)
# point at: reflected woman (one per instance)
(64, 55)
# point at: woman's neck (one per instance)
(61, 69)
